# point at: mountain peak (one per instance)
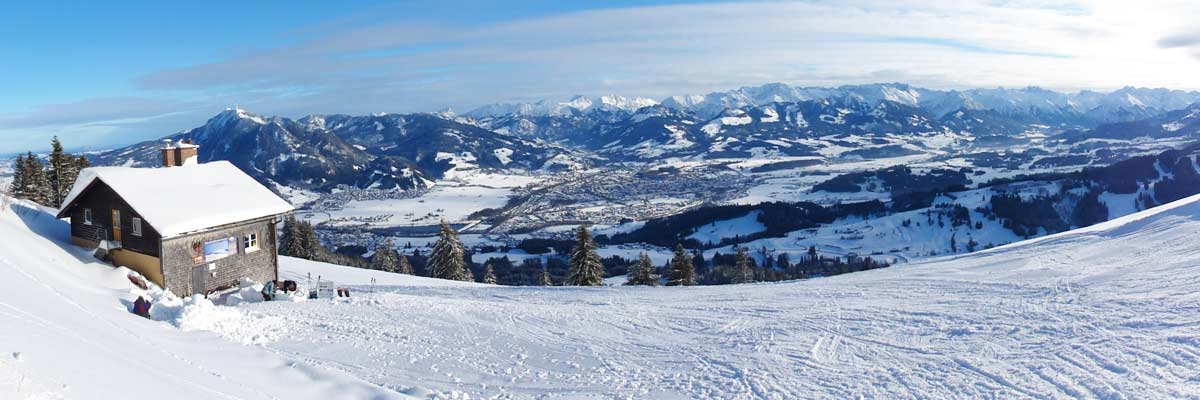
(235, 114)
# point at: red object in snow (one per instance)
(141, 307)
(137, 281)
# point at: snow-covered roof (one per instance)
(178, 200)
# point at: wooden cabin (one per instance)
(191, 228)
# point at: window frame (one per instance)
(250, 243)
(87, 216)
(135, 226)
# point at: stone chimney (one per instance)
(179, 154)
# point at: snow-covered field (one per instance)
(741, 226)
(453, 200)
(1109, 311)
(449, 203)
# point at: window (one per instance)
(250, 242)
(137, 226)
(87, 216)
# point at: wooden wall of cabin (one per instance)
(179, 260)
(101, 199)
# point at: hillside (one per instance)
(66, 333)
(1101, 312)
(1104, 312)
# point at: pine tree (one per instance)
(642, 273)
(468, 275)
(745, 270)
(385, 258)
(446, 257)
(632, 273)
(698, 262)
(488, 276)
(289, 241)
(546, 281)
(585, 268)
(681, 272)
(19, 184)
(310, 243)
(403, 266)
(299, 240)
(784, 261)
(61, 173)
(82, 162)
(37, 187)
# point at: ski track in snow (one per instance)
(1109, 311)
(1068, 316)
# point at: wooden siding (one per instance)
(101, 199)
(148, 266)
(261, 265)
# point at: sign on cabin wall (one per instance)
(214, 250)
(197, 253)
(220, 248)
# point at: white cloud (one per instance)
(666, 50)
(671, 49)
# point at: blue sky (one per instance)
(101, 75)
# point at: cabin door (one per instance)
(199, 278)
(116, 224)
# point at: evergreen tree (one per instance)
(745, 270)
(488, 276)
(61, 173)
(37, 188)
(300, 240)
(385, 258)
(310, 242)
(698, 262)
(403, 266)
(546, 281)
(19, 184)
(632, 275)
(287, 238)
(585, 268)
(468, 275)
(784, 262)
(82, 162)
(642, 273)
(681, 271)
(446, 257)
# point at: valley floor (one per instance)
(1109, 311)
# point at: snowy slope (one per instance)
(741, 226)
(65, 332)
(1103, 312)
(1108, 311)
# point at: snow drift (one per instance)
(66, 332)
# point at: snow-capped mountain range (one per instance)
(577, 104)
(320, 152)
(404, 151)
(1099, 107)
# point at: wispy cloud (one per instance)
(664, 50)
(966, 47)
(1187, 40)
(373, 64)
